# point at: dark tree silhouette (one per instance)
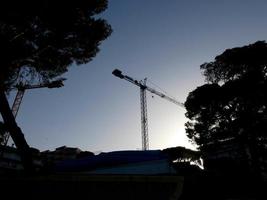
(232, 106)
(39, 41)
(182, 154)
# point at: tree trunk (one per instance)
(16, 133)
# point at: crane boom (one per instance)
(140, 84)
(164, 96)
(143, 87)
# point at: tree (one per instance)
(39, 41)
(182, 154)
(232, 106)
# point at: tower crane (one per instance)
(20, 93)
(143, 87)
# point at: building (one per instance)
(10, 159)
(60, 153)
(120, 162)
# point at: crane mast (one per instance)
(144, 125)
(17, 102)
(143, 87)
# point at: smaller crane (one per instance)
(143, 87)
(20, 93)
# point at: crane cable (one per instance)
(163, 91)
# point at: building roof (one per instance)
(110, 159)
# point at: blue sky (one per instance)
(165, 41)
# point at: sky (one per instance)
(164, 41)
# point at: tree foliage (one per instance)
(233, 103)
(41, 39)
(182, 154)
(238, 63)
